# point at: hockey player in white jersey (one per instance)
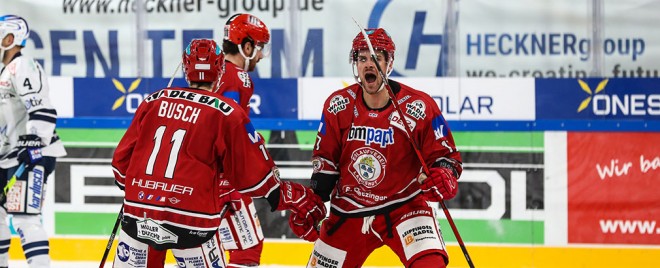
(27, 138)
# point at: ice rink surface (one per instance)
(87, 264)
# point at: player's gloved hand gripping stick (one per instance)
(415, 146)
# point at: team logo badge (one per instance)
(416, 109)
(337, 104)
(368, 166)
(317, 164)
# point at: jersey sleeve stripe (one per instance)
(118, 172)
(44, 115)
(264, 187)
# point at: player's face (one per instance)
(259, 55)
(368, 72)
(257, 58)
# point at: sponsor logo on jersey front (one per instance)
(370, 135)
(151, 230)
(368, 166)
(395, 120)
(162, 186)
(364, 195)
(416, 109)
(337, 104)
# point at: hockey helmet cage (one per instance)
(241, 26)
(380, 40)
(12, 24)
(202, 61)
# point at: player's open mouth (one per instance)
(370, 77)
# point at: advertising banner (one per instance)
(500, 199)
(120, 97)
(458, 99)
(598, 99)
(612, 188)
(514, 38)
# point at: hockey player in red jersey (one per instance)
(245, 39)
(169, 163)
(366, 167)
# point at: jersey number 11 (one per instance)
(177, 140)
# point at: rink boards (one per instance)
(297, 253)
(526, 221)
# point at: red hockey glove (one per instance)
(440, 185)
(307, 209)
(229, 196)
(303, 227)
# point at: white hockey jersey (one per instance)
(25, 108)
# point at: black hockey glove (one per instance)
(29, 149)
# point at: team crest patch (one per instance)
(416, 109)
(337, 104)
(368, 166)
(317, 164)
(276, 173)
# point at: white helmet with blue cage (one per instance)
(15, 25)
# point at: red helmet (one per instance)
(202, 61)
(241, 26)
(380, 40)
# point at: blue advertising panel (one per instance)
(598, 99)
(274, 98)
(120, 97)
(112, 97)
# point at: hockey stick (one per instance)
(112, 236)
(169, 84)
(114, 230)
(17, 174)
(414, 144)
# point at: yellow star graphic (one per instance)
(585, 87)
(119, 86)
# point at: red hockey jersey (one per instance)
(237, 85)
(170, 158)
(368, 149)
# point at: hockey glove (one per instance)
(229, 196)
(29, 149)
(442, 184)
(307, 209)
